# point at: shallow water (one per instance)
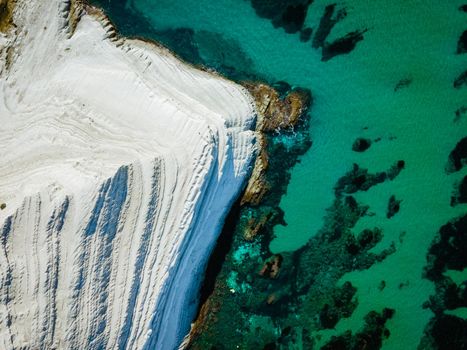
(355, 95)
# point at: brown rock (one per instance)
(271, 299)
(277, 113)
(274, 114)
(76, 8)
(6, 14)
(272, 266)
(254, 226)
(257, 185)
(206, 315)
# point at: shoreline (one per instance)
(276, 118)
(275, 113)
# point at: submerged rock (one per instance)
(459, 113)
(395, 169)
(458, 157)
(460, 195)
(366, 240)
(272, 266)
(288, 14)
(305, 34)
(293, 17)
(461, 80)
(446, 332)
(342, 306)
(462, 43)
(393, 207)
(342, 45)
(359, 179)
(370, 337)
(447, 252)
(361, 144)
(326, 23)
(255, 225)
(403, 83)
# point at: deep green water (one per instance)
(394, 88)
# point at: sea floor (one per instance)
(387, 84)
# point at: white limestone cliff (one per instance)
(118, 164)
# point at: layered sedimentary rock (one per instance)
(118, 165)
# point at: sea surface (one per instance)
(384, 74)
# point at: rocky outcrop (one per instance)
(76, 8)
(274, 114)
(277, 113)
(6, 14)
(257, 186)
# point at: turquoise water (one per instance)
(355, 95)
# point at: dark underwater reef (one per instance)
(298, 292)
(448, 251)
